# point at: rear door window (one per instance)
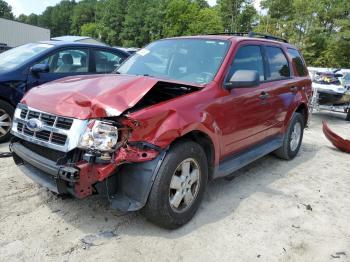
(68, 61)
(278, 63)
(248, 57)
(297, 61)
(106, 62)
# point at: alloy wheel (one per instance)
(295, 137)
(5, 123)
(184, 185)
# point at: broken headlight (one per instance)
(99, 135)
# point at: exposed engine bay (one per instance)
(161, 92)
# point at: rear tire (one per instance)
(179, 186)
(292, 139)
(6, 116)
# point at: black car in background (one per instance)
(4, 47)
(33, 64)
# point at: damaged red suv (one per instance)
(177, 114)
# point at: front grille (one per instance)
(58, 139)
(24, 113)
(47, 120)
(43, 135)
(50, 120)
(33, 114)
(64, 123)
(51, 131)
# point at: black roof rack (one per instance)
(253, 34)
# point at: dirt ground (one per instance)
(273, 211)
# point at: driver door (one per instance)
(62, 63)
(246, 111)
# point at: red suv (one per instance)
(180, 112)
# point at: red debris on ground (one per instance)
(339, 142)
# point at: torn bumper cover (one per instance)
(127, 186)
(339, 142)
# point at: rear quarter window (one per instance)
(278, 63)
(297, 61)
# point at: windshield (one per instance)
(347, 77)
(189, 60)
(17, 56)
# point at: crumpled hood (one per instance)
(91, 96)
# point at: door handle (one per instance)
(294, 89)
(264, 95)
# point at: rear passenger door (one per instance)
(282, 87)
(105, 61)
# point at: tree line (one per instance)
(320, 28)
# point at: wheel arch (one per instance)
(206, 143)
(8, 100)
(303, 110)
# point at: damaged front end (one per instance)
(96, 162)
(81, 146)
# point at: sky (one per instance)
(38, 6)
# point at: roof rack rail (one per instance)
(253, 34)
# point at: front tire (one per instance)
(6, 115)
(179, 186)
(292, 138)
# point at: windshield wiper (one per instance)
(148, 75)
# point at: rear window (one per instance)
(278, 63)
(297, 61)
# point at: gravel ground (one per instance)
(273, 210)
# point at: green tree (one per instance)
(319, 27)
(237, 15)
(84, 13)
(179, 15)
(247, 18)
(201, 3)
(110, 17)
(90, 29)
(5, 10)
(278, 9)
(154, 19)
(135, 31)
(207, 21)
(22, 18)
(31, 19)
(58, 18)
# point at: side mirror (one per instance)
(40, 68)
(243, 79)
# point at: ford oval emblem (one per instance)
(34, 125)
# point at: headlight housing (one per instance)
(99, 135)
